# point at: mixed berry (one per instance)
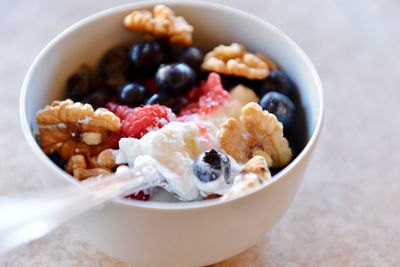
(281, 106)
(212, 165)
(149, 83)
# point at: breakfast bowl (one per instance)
(164, 232)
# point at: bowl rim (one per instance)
(176, 205)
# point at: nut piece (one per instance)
(271, 64)
(233, 142)
(91, 138)
(259, 166)
(263, 154)
(243, 94)
(78, 167)
(76, 161)
(248, 182)
(163, 23)
(106, 159)
(51, 139)
(78, 134)
(240, 95)
(254, 173)
(264, 135)
(82, 174)
(74, 128)
(59, 139)
(211, 196)
(235, 60)
(77, 113)
(267, 134)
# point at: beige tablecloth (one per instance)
(347, 210)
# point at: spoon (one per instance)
(26, 217)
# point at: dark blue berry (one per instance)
(146, 56)
(97, 99)
(230, 81)
(132, 94)
(211, 165)
(115, 66)
(281, 106)
(162, 99)
(79, 85)
(191, 56)
(274, 171)
(175, 78)
(57, 159)
(277, 81)
(180, 103)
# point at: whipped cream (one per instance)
(173, 149)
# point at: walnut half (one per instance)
(236, 60)
(162, 23)
(263, 136)
(79, 134)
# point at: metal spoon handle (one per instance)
(26, 217)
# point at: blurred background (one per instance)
(346, 211)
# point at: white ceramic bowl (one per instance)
(175, 234)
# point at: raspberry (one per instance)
(120, 110)
(141, 195)
(192, 108)
(194, 93)
(136, 122)
(113, 138)
(141, 120)
(212, 96)
(214, 93)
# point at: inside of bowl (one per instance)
(85, 43)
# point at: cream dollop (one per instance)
(173, 148)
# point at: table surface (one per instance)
(347, 210)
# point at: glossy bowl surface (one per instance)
(163, 233)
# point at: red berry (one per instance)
(141, 195)
(136, 122)
(194, 94)
(203, 129)
(113, 138)
(212, 96)
(190, 109)
(120, 110)
(142, 120)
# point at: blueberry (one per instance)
(57, 159)
(281, 106)
(79, 85)
(115, 66)
(274, 171)
(210, 165)
(175, 78)
(147, 55)
(191, 56)
(132, 94)
(162, 99)
(97, 99)
(230, 81)
(277, 81)
(180, 103)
